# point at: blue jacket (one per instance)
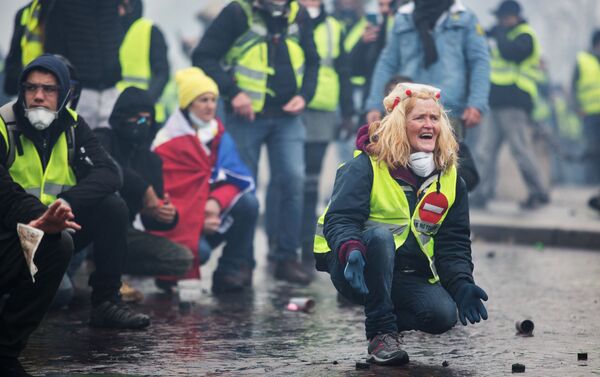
(462, 71)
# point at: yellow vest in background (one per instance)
(327, 37)
(248, 58)
(588, 85)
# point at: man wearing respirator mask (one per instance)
(50, 151)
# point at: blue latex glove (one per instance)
(354, 272)
(468, 301)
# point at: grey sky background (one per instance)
(563, 26)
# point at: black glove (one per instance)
(468, 301)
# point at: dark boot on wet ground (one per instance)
(292, 271)
(535, 201)
(117, 315)
(231, 282)
(386, 349)
(11, 367)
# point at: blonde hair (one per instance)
(388, 139)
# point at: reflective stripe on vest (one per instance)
(588, 84)
(327, 37)
(134, 57)
(31, 41)
(389, 209)
(248, 57)
(524, 75)
(28, 172)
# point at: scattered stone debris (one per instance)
(445, 364)
(491, 254)
(335, 362)
(582, 356)
(518, 368)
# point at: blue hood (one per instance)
(50, 63)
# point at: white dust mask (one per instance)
(422, 164)
(313, 12)
(206, 131)
(40, 117)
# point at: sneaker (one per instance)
(292, 271)
(130, 294)
(535, 201)
(117, 316)
(11, 367)
(384, 349)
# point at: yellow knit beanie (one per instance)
(192, 82)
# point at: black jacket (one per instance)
(97, 174)
(232, 23)
(516, 51)
(349, 209)
(141, 168)
(16, 206)
(89, 34)
(159, 63)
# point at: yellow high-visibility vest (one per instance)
(134, 56)
(27, 169)
(588, 84)
(389, 209)
(31, 41)
(248, 57)
(327, 37)
(524, 75)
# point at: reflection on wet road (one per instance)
(253, 334)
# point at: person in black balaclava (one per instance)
(425, 16)
(127, 141)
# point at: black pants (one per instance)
(27, 302)
(104, 224)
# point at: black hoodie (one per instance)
(141, 168)
(96, 173)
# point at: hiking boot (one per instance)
(11, 367)
(130, 294)
(535, 201)
(230, 282)
(292, 271)
(119, 315)
(384, 349)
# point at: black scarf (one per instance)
(426, 14)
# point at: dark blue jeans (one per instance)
(239, 238)
(284, 138)
(396, 301)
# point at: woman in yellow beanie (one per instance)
(207, 180)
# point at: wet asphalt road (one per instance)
(253, 334)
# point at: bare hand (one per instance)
(373, 116)
(370, 34)
(212, 216)
(166, 212)
(57, 218)
(151, 203)
(242, 106)
(295, 105)
(471, 117)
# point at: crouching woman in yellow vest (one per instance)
(395, 236)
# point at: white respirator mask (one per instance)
(40, 117)
(422, 164)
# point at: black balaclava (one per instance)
(129, 104)
(426, 14)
